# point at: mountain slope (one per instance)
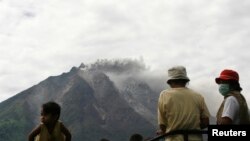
(92, 106)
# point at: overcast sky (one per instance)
(41, 38)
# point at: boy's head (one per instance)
(136, 137)
(50, 111)
(104, 139)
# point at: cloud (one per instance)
(45, 38)
(121, 71)
(122, 66)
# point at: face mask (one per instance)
(224, 89)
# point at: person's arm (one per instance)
(162, 128)
(225, 121)
(204, 119)
(204, 122)
(66, 132)
(230, 111)
(34, 133)
(161, 116)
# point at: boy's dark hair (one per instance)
(104, 139)
(136, 137)
(51, 108)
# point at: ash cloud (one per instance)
(119, 66)
(122, 71)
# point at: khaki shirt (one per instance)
(55, 136)
(181, 109)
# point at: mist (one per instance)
(125, 70)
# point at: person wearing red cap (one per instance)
(234, 109)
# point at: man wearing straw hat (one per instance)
(180, 108)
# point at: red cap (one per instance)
(227, 75)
